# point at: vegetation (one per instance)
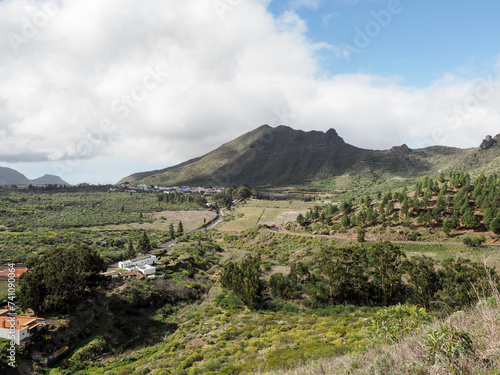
(324, 294)
(60, 280)
(322, 159)
(449, 203)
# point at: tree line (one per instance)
(378, 275)
(452, 202)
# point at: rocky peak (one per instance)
(488, 142)
(403, 149)
(332, 135)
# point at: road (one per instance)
(220, 216)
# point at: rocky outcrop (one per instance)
(403, 149)
(488, 142)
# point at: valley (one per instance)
(276, 286)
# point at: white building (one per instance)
(18, 328)
(137, 262)
(147, 270)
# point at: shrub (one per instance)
(446, 344)
(391, 323)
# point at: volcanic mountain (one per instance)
(282, 156)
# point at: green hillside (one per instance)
(282, 156)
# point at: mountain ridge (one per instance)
(282, 156)
(9, 176)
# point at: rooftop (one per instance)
(21, 322)
(18, 272)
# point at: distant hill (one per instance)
(282, 156)
(9, 176)
(49, 179)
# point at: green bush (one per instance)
(446, 344)
(393, 322)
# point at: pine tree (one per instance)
(345, 222)
(144, 245)
(130, 250)
(180, 229)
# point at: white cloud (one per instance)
(170, 80)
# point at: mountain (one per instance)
(282, 156)
(9, 176)
(49, 179)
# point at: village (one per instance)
(185, 190)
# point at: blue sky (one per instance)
(423, 42)
(96, 90)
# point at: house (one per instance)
(5, 274)
(134, 273)
(137, 262)
(139, 267)
(18, 328)
(147, 270)
(45, 359)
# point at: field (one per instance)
(191, 220)
(252, 213)
(32, 221)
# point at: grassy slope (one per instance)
(217, 336)
(201, 168)
(410, 357)
(282, 156)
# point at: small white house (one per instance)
(147, 270)
(18, 328)
(139, 261)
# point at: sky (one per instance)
(94, 90)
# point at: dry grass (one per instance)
(254, 212)
(191, 220)
(409, 357)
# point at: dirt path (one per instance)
(345, 237)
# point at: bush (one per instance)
(445, 345)
(392, 323)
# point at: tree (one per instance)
(423, 280)
(441, 177)
(404, 206)
(495, 225)
(242, 192)
(345, 222)
(171, 231)
(280, 286)
(61, 279)
(344, 269)
(244, 280)
(469, 219)
(476, 241)
(144, 245)
(130, 250)
(465, 281)
(180, 229)
(361, 235)
(32, 291)
(300, 219)
(488, 217)
(368, 201)
(386, 272)
(448, 225)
